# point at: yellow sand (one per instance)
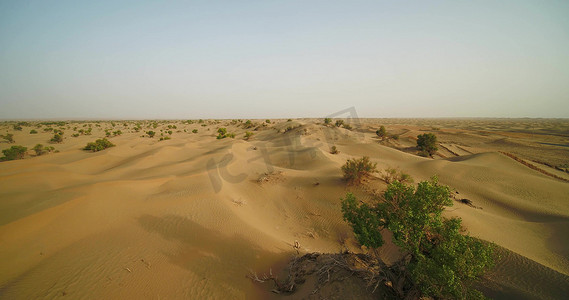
(149, 219)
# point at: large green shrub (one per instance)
(427, 143)
(98, 145)
(441, 262)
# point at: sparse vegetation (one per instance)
(33, 131)
(427, 144)
(9, 137)
(268, 121)
(165, 138)
(195, 131)
(14, 152)
(151, 133)
(327, 121)
(99, 145)
(339, 123)
(248, 135)
(439, 261)
(355, 170)
(391, 175)
(248, 124)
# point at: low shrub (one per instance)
(40, 149)
(390, 175)
(356, 169)
(14, 152)
(57, 138)
(248, 135)
(195, 131)
(33, 131)
(222, 133)
(334, 150)
(98, 145)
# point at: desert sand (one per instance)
(189, 217)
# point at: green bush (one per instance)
(151, 133)
(381, 132)
(57, 138)
(195, 131)
(248, 124)
(98, 145)
(9, 137)
(440, 261)
(248, 135)
(165, 138)
(39, 149)
(339, 123)
(356, 169)
(14, 152)
(222, 133)
(17, 127)
(268, 121)
(33, 131)
(427, 143)
(327, 121)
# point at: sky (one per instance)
(280, 59)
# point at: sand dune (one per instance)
(188, 217)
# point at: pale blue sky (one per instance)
(269, 59)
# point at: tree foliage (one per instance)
(443, 262)
(427, 143)
(356, 169)
(364, 221)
